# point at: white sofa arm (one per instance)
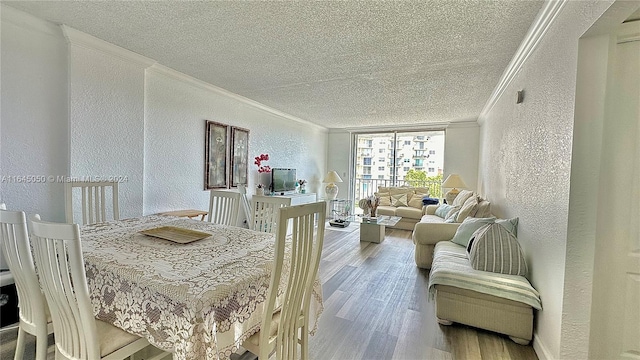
(431, 233)
(430, 209)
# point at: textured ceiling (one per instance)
(337, 64)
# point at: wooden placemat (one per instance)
(176, 234)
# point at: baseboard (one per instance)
(542, 351)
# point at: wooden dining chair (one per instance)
(281, 331)
(93, 200)
(78, 335)
(223, 207)
(31, 301)
(266, 212)
(246, 206)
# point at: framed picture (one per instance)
(216, 156)
(239, 156)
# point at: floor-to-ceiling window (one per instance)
(398, 159)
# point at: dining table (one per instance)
(198, 300)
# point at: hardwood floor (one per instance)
(376, 307)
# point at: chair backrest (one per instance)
(266, 212)
(17, 252)
(94, 200)
(223, 207)
(246, 206)
(306, 248)
(57, 249)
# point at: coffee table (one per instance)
(372, 229)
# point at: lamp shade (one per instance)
(332, 177)
(454, 181)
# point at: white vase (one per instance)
(260, 191)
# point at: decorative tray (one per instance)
(176, 234)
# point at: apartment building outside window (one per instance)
(404, 156)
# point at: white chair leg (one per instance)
(42, 343)
(304, 343)
(20, 345)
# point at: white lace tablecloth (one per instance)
(199, 300)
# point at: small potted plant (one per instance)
(260, 190)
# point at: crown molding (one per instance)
(29, 22)
(79, 38)
(189, 80)
(628, 32)
(536, 32)
(440, 125)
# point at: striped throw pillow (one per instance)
(494, 248)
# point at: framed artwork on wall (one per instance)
(216, 156)
(239, 156)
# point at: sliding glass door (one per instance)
(398, 159)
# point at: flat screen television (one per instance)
(283, 180)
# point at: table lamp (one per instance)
(332, 189)
(453, 181)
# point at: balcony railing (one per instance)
(366, 187)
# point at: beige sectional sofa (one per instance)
(405, 202)
(433, 228)
(503, 309)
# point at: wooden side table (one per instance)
(187, 213)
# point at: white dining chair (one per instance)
(266, 212)
(223, 207)
(246, 205)
(289, 326)
(94, 201)
(31, 301)
(78, 335)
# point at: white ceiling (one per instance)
(337, 64)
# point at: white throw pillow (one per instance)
(467, 208)
(399, 200)
(416, 201)
(385, 199)
(462, 197)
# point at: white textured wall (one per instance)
(34, 127)
(525, 160)
(174, 142)
(461, 148)
(107, 122)
(339, 159)
(583, 200)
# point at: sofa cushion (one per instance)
(399, 200)
(409, 212)
(385, 198)
(400, 191)
(462, 197)
(509, 224)
(494, 248)
(431, 219)
(416, 201)
(387, 210)
(467, 208)
(424, 191)
(443, 210)
(468, 227)
(483, 209)
(452, 215)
